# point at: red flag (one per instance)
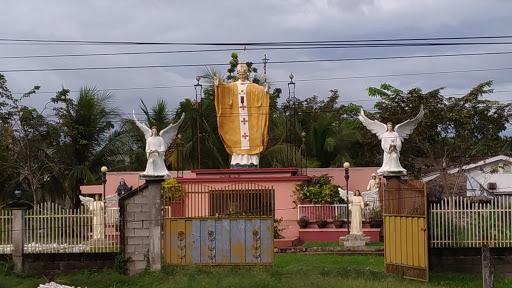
(245, 48)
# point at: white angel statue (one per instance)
(97, 207)
(391, 141)
(156, 145)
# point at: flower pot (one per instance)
(376, 224)
(176, 209)
(302, 224)
(321, 223)
(366, 224)
(338, 223)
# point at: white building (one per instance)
(492, 176)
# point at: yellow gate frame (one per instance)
(405, 229)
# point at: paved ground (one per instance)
(362, 250)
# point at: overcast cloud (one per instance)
(252, 21)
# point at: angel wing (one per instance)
(343, 194)
(405, 128)
(169, 133)
(145, 129)
(111, 199)
(378, 128)
(86, 200)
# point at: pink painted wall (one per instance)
(283, 185)
(358, 176)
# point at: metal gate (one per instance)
(219, 225)
(405, 229)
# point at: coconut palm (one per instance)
(86, 143)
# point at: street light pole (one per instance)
(346, 165)
(104, 171)
(199, 91)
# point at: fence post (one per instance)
(155, 224)
(18, 237)
(486, 267)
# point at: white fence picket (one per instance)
(51, 229)
(456, 222)
(5, 232)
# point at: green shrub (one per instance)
(318, 190)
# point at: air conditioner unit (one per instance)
(492, 186)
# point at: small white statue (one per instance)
(391, 141)
(356, 225)
(97, 207)
(156, 145)
(372, 185)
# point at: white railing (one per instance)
(457, 222)
(51, 229)
(322, 211)
(5, 231)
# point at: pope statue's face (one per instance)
(242, 71)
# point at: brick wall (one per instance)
(469, 260)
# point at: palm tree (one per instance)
(86, 144)
(330, 141)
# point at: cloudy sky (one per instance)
(249, 22)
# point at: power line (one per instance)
(288, 43)
(274, 62)
(271, 62)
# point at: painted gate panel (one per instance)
(405, 235)
(226, 241)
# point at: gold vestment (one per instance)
(229, 121)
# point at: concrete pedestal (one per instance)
(354, 240)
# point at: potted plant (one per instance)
(375, 217)
(321, 223)
(337, 220)
(303, 221)
(173, 197)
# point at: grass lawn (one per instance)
(290, 270)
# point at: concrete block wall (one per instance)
(66, 263)
(469, 260)
(141, 223)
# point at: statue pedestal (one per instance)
(352, 240)
(391, 174)
(153, 178)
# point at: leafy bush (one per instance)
(277, 229)
(317, 191)
(172, 190)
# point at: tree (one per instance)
(453, 132)
(85, 124)
(29, 141)
(329, 128)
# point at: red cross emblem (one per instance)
(245, 136)
(243, 107)
(244, 121)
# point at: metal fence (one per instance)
(326, 211)
(459, 222)
(196, 200)
(49, 228)
(5, 231)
